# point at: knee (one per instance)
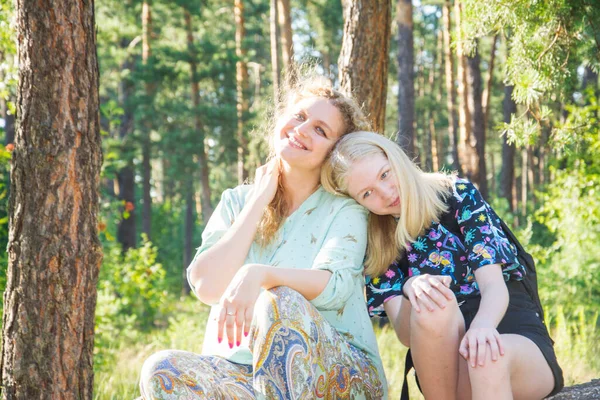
(151, 370)
(272, 304)
(437, 322)
(492, 373)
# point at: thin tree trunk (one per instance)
(189, 223)
(275, 49)
(487, 92)
(363, 62)
(9, 119)
(464, 115)
(207, 208)
(450, 88)
(406, 76)
(146, 145)
(126, 231)
(53, 249)
(287, 45)
(241, 89)
(476, 144)
(507, 172)
(524, 183)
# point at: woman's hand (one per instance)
(428, 291)
(237, 304)
(266, 181)
(474, 345)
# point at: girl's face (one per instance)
(307, 131)
(372, 184)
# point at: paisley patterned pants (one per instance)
(297, 354)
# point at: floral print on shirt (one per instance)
(438, 251)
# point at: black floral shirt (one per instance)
(438, 251)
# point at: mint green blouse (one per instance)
(326, 232)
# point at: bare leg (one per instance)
(522, 373)
(434, 340)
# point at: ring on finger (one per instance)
(230, 313)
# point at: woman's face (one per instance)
(372, 184)
(307, 131)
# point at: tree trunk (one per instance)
(450, 88)
(53, 250)
(275, 50)
(126, 231)
(487, 92)
(406, 78)
(207, 208)
(287, 45)
(476, 144)
(146, 145)
(524, 183)
(363, 62)
(464, 115)
(9, 119)
(241, 79)
(507, 172)
(189, 223)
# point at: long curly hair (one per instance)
(354, 120)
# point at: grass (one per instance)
(577, 344)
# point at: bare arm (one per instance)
(213, 269)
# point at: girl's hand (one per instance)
(266, 181)
(237, 304)
(428, 291)
(474, 345)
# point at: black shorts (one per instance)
(521, 318)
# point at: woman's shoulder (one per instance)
(339, 203)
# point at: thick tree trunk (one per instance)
(274, 30)
(53, 250)
(450, 88)
(126, 231)
(507, 172)
(406, 76)
(363, 62)
(476, 144)
(241, 79)
(207, 208)
(287, 45)
(146, 145)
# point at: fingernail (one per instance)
(238, 343)
(220, 340)
(231, 345)
(246, 334)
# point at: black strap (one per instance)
(408, 365)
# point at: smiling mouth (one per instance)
(396, 202)
(296, 144)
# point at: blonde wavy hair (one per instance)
(354, 120)
(421, 194)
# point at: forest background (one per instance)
(505, 92)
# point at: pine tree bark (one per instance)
(507, 171)
(406, 78)
(487, 92)
(476, 144)
(146, 144)
(53, 250)
(363, 61)
(287, 45)
(126, 231)
(207, 208)
(450, 88)
(276, 67)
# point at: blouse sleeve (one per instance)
(383, 288)
(342, 254)
(484, 239)
(218, 224)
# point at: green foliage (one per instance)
(132, 296)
